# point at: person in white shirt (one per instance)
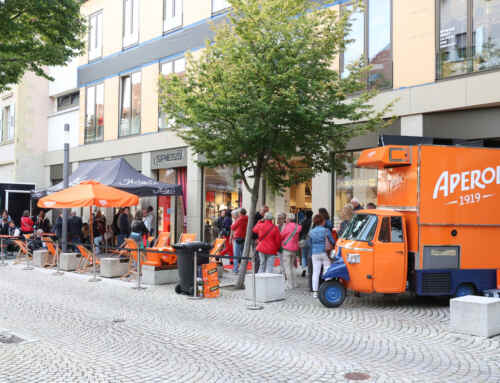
(149, 221)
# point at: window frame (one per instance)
(136, 35)
(72, 104)
(97, 14)
(166, 28)
(221, 10)
(469, 49)
(85, 140)
(172, 62)
(120, 104)
(366, 42)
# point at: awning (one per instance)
(117, 173)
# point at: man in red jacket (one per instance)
(268, 243)
(239, 229)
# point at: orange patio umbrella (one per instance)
(89, 194)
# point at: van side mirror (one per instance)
(370, 243)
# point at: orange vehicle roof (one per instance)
(381, 212)
(385, 157)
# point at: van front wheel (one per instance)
(332, 293)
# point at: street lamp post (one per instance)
(66, 184)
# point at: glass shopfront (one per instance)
(221, 193)
(171, 209)
(359, 183)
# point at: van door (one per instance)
(390, 260)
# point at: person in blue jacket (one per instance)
(318, 236)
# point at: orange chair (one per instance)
(86, 260)
(132, 252)
(218, 246)
(187, 237)
(51, 247)
(23, 252)
(163, 239)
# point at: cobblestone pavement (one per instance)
(74, 333)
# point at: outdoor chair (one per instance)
(23, 252)
(51, 248)
(132, 253)
(86, 260)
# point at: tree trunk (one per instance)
(240, 284)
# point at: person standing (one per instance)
(42, 222)
(26, 223)
(149, 221)
(138, 228)
(74, 228)
(269, 242)
(280, 223)
(58, 227)
(259, 216)
(123, 225)
(356, 205)
(99, 231)
(290, 245)
(305, 250)
(318, 237)
(324, 213)
(346, 216)
(4, 226)
(227, 222)
(239, 229)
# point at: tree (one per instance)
(264, 94)
(35, 34)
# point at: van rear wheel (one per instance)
(465, 289)
(332, 293)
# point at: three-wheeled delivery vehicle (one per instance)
(436, 229)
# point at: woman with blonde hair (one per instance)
(346, 215)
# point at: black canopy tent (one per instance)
(117, 173)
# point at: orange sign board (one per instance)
(460, 186)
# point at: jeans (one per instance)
(288, 258)
(305, 252)
(266, 263)
(319, 260)
(237, 252)
(121, 238)
(97, 244)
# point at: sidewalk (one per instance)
(108, 332)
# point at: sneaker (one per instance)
(315, 294)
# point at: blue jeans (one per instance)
(266, 263)
(305, 254)
(121, 238)
(237, 252)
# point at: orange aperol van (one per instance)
(436, 229)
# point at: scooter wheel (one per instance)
(332, 293)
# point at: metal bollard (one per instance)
(254, 305)
(139, 271)
(28, 266)
(58, 271)
(94, 270)
(3, 255)
(195, 289)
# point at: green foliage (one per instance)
(38, 33)
(264, 93)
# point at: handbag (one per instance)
(328, 246)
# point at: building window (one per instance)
(95, 36)
(176, 66)
(172, 15)
(371, 30)
(68, 101)
(130, 22)
(94, 118)
(469, 36)
(7, 123)
(219, 5)
(130, 110)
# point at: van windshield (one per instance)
(361, 228)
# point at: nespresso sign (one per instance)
(171, 158)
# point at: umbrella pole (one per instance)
(91, 220)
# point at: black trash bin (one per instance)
(185, 263)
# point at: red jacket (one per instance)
(240, 227)
(27, 225)
(269, 237)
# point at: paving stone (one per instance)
(167, 338)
